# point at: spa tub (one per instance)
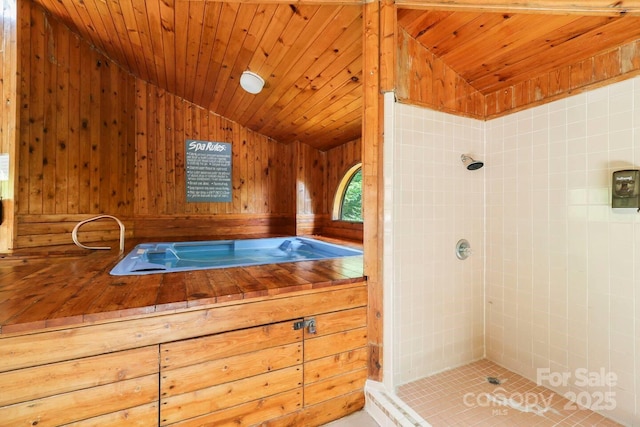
(166, 257)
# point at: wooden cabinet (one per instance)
(272, 372)
(105, 390)
(239, 364)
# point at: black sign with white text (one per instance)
(208, 166)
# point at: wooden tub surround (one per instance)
(273, 345)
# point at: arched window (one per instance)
(347, 205)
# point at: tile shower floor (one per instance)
(464, 397)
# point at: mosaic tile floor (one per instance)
(464, 397)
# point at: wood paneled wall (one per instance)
(262, 167)
(8, 114)
(423, 79)
(77, 126)
(606, 68)
(263, 194)
(77, 133)
(311, 190)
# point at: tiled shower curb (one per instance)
(388, 410)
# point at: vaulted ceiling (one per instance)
(310, 55)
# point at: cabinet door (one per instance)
(335, 355)
(234, 378)
(104, 390)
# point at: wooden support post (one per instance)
(373, 185)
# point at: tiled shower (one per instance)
(552, 287)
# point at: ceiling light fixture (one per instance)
(251, 82)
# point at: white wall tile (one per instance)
(593, 293)
(554, 280)
(436, 203)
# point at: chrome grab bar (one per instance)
(74, 233)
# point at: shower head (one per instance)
(470, 163)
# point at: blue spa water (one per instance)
(149, 258)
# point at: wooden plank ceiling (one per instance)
(310, 55)
(492, 51)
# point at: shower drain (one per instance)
(493, 380)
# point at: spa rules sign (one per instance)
(208, 167)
